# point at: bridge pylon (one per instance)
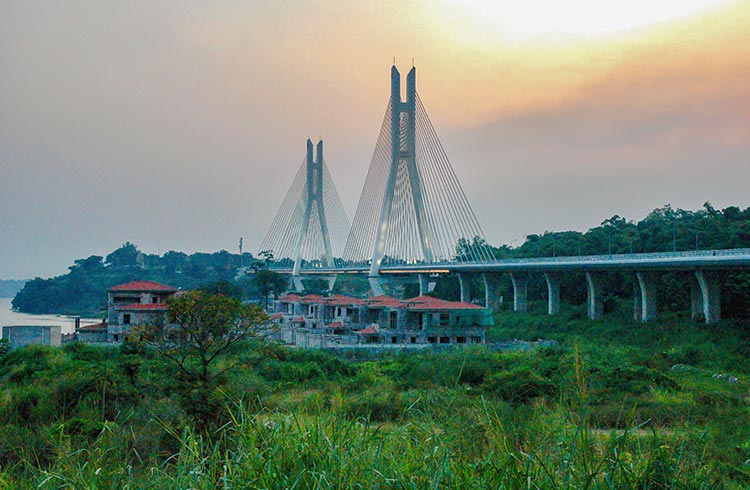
(412, 209)
(310, 227)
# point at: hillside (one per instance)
(83, 290)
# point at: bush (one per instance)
(519, 385)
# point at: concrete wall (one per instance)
(21, 335)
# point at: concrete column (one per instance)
(376, 285)
(710, 287)
(492, 297)
(647, 290)
(298, 286)
(696, 298)
(520, 282)
(331, 281)
(424, 284)
(464, 280)
(595, 296)
(553, 292)
(637, 306)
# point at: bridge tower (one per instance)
(314, 203)
(412, 209)
(403, 156)
(311, 225)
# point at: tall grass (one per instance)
(588, 413)
(479, 448)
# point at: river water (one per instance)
(67, 323)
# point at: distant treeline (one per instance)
(83, 290)
(664, 230)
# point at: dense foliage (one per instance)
(664, 230)
(83, 290)
(202, 329)
(608, 406)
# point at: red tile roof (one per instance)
(311, 298)
(335, 325)
(144, 307)
(143, 286)
(372, 329)
(276, 316)
(382, 302)
(299, 319)
(342, 300)
(425, 303)
(290, 298)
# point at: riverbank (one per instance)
(66, 322)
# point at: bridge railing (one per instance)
(603, 258)
(633, 256)
(607, 257)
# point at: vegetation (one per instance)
(610, 405)
(202, 329)
(83, 290)
(664, 230)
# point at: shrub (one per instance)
(519, 385)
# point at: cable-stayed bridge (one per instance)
(310, 228)
(413, 218)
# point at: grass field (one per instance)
(614, 404)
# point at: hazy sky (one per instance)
(180, 124)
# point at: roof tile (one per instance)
(143, 286)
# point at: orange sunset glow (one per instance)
(568, 100)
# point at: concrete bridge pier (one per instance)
(637, 306)
(696, 298)
(425, 286)
(710, 287)
(645, 296)
(297, 283)
(331, 280)
(520, 298)
(464, 281)
(553, 292)
(595, 296)
(492, 293)
(376, 285)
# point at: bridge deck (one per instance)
(702, 259)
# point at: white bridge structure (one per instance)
(413, 219)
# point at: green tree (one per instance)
(92, 264)
(201, 330)
(223, 287)
(124, 256)
(270, 283)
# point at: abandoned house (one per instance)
(135, 303)
(315, 321)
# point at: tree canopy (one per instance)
(200, 331)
